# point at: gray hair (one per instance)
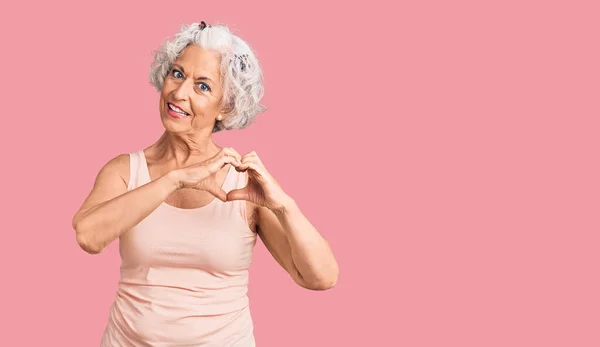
(241, 74)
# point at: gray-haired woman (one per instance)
(187, 211)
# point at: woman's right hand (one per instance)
(203, 176)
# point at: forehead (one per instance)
(199, 62)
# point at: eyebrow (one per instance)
(197, 78)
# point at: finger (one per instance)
(256, 157)
(218, 164)
(227, 151)
(253, 163)
(245, 164)
(238, 194)
(232, 152)
(250, 155)
(230, 160)
(258, 169)
(218, 192)
(248, 158)
(255, 166)
(240, 168)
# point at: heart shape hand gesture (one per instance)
(262, 189)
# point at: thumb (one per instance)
(216, 165)
(218, 192)
(238, 194)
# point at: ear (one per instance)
(225, 108)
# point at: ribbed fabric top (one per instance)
(184, 273)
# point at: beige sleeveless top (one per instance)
(184, 273)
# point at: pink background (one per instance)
(447, 150)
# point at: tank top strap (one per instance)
(134, 163)
(138, 170)
(238, 181)
(144, 172)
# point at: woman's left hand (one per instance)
(262, 189)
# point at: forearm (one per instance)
(310, 252)
(105, 222)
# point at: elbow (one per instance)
(322, 283)
(85, 242)
(329, 278)
(87, 246)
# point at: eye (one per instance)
(204, 87)
(175, 73)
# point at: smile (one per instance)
(176, 112)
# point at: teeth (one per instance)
(177, 110)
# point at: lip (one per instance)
(173, 114)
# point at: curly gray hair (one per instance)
(240, 71)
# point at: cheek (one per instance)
(164, 94)
(203, 105)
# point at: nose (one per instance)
(183, 91)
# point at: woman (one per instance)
(187, 211)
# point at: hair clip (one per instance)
(243, 60)
(202, 25)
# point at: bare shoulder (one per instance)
(119, 166)
(111, 181)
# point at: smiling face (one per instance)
(191, 94)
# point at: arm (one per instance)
(110, 209)
(297, 246)
(294, 243)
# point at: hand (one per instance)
(203, 176)
(262, 189)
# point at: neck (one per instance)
(185, 149)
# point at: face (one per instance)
(193, 84)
